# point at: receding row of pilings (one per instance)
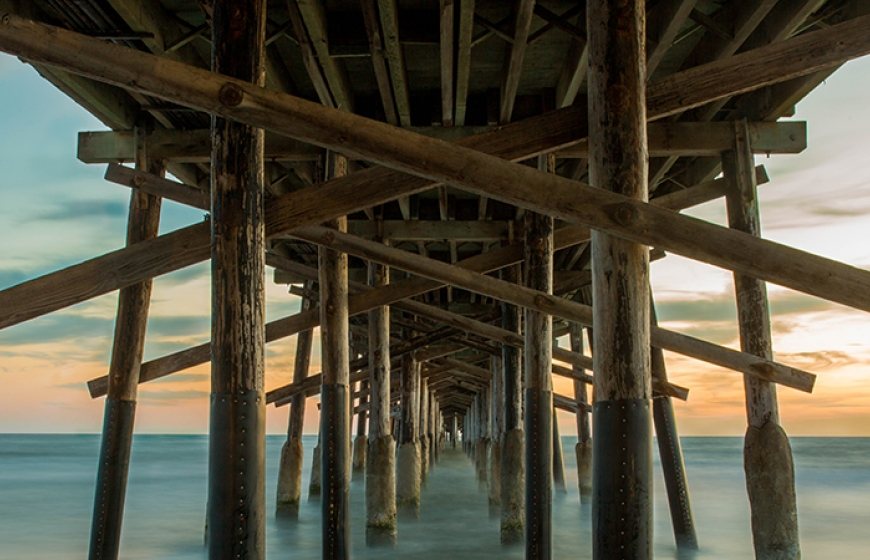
(624, 408)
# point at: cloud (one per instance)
(817, 361)
(160, 397)
(85, 209)
(11, 277)
(58, 327)
(179, 325)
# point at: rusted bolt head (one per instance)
(138, 181)
(230, 95)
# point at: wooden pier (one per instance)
(466, 197)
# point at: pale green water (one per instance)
(46, 493)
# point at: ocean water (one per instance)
(47, 482)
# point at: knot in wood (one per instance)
(230, 95)
(329, 238)
(5, 19)
(138, 181)
(624, 214)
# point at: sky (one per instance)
(56, 211)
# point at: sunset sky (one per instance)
(56, 211)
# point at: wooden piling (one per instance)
(767, 456)
(513, 441)
(424, 429)
(360, 443)
(334, 390)
(622, 453)
(408, 461)
(237, 423)
(292, 454)
(314, 481)
(481, 449)
(497, 423)
(380, 460)
(130, 325)
(538, 386)
(583, 449)
(671, 454)
(558, 458)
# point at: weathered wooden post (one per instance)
(335, 389)
(496, 415)
(408, 465)
(434, 429)
(538, 349)
(314, 482)
(380, 460)
(583, 449)
(767, 453)
(120, 407)
(671, 454)
(360, 443)
(424, 429)
(513, 441)
(558, 459)
(454, 430)
(481, 450)
(292, 454)
(236, 489)
(622, 447)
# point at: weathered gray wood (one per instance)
(446, 52)
(127, 348)
(292, 455)
(381, 462)
(711, 139)
(180, 146)
(513, 442)
(514, 61)
(236, 496)
(379, 61)
(335, 391)
(538, 388)
(622, 454)
(663, 23)
(408, 460)
(313, 15)
(795, 57)
(767, 453)
(463, 58)
(665, 139)
(583, 448)
(389, 13)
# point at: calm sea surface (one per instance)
(47, 482)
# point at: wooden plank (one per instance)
(446, 51)
(379, 60)
(665, 138)
(236, 513)
(396, 59)
(664, 21)
(157, 185)
(792, 58)
(180, 146)
(712, 138)
(514, 63)
(463, 58)
(313, 14)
